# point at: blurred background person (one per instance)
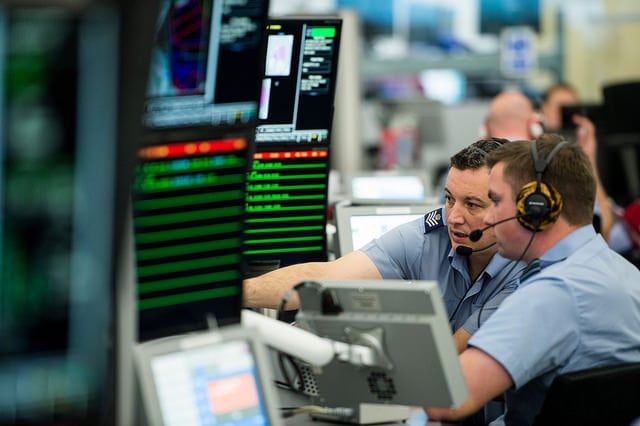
(608, 218)
(553, 99)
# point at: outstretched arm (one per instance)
(486, 379)
(267, 290)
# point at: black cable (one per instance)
(281, 312)
(282, 357)
(455, 311)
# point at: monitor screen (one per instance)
(188, 213)
(378, 187)
(300, 73)
(286, 208)
(496, 15)
(209, 378)
(206, 63)
(356, 225)
(387, 316)
(62, 170)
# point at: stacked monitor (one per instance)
(188, 208)
(206, 63)
(67, 119)
(287, 188)
(192, 163)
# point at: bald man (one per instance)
(512, 116)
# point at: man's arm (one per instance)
(486, 379)
(267, 290)
(460, 339)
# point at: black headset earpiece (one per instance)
(538, 203)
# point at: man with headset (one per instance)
(578, 302)
(473, 279)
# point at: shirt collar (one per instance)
(495, 265)
(569, 244)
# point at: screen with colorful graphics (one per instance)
(220, 377)
(300, 74)
(188, 210)
(206, 63)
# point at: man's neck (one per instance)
(548, 238)
(477, 262)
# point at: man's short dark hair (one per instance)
(473, 156)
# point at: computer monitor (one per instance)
(404, 323)
(207, 378)
(286, 202)
(356, 225)
(206, 64)
(188, 214)
(300, 75)
(388, 186)
(68, 85)
(496, 15)
(287, 185)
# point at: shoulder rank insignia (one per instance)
(434, 219)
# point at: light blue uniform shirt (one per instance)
(421, 250)
(581, 310)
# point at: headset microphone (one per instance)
(476, 234)
(466, 250)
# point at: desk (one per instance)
(292, 399)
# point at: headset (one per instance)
(539, 204)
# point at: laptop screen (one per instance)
(211, 378)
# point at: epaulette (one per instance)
(433, 220)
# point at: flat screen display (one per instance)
(62, 171)
(206, 63)
(188, 212)
(300, 74)
(217, 377)
(286, 202)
